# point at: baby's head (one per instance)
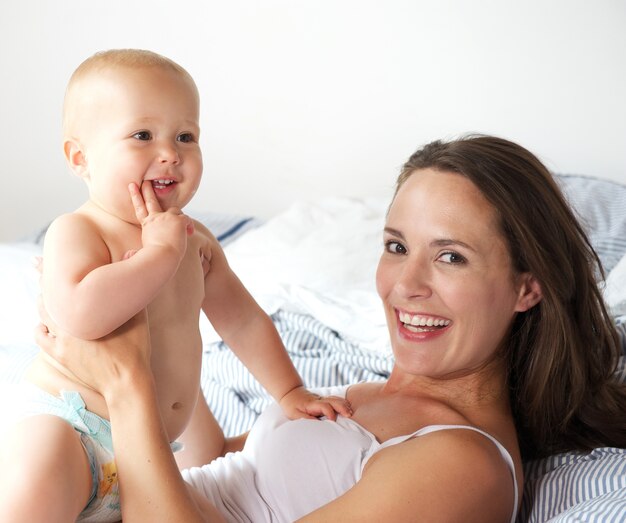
(133, 116)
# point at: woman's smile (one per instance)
(422, 327)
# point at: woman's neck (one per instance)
(473, 390)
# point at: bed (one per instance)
(312, 269)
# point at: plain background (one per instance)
(304, 99)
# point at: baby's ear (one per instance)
(75, 157)
(530, 293)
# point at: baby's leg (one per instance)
(45, 474)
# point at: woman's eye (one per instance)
(142, 135)
(452, 257)
(394, 247)
(186, 138)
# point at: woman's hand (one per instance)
(104, 364)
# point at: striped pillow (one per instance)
(575, 487)
(601, 207)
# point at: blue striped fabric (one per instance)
(621, 330)
(226, 227)
(601, 207)
(576, 487)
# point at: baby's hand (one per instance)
(168, 229)
(302, 403)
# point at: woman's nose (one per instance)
(414, 281)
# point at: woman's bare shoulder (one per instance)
(456, 473)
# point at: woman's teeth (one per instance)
(415, 320)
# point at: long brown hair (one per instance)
(562, 353)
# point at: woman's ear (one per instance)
(75, 157)
(530, 293)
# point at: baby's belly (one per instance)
(176, 363)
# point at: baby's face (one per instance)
(140, 125)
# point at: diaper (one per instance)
(104, 504)
(20, 401)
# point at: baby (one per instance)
(131, 126)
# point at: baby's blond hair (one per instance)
(115, 59)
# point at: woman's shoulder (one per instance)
(463, 465)
(455, 444)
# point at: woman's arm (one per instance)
(118, 366)
(151, 488)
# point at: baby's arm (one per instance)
(86, 292)
(251, 334)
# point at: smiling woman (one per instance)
(561, 354)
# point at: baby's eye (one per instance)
(142, 135)
(452, 257)
(395, 247)
(186, 138)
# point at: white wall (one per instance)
(303, 99)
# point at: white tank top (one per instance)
(289, 468)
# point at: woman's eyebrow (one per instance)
(447, 242)
(394, 232)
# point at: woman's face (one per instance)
(445, 277)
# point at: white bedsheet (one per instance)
(319, 258)
(19, 287)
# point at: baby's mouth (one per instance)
(162, 184)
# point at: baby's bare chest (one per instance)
(184, 292)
